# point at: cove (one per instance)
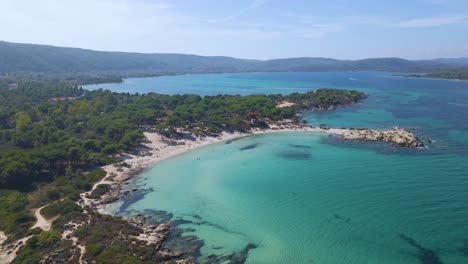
(328, 201)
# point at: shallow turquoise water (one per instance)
(310, 198)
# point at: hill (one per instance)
(30, 58)
(461, 61)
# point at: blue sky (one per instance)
(257, 29)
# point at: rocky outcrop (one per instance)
(398, 137)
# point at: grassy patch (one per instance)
(64, 187)
(14, 218)
(100, 191)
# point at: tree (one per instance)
(22, 120)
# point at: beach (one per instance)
(157, 148)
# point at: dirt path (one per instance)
(41, 222)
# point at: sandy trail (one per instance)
(7, 254)
(41, 222)
(283, 104)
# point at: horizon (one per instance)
(248, 29)
(191, 54)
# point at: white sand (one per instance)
(159, 150)
(8, 254)
(283, 104)
(41, 222)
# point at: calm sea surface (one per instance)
(311, 198)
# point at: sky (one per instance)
(253, 29)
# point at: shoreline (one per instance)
(157, 148)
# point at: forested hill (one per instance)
(30, 58)
(50, 59)
(461, 61)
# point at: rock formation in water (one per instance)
(398, 137)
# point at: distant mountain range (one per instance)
(461, 61)
(29, 58)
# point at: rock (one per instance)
(398, 137)
(162, 228)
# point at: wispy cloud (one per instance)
(253, 5)
(320, 30)
(255, 28)
(432, 22)
(307, 26)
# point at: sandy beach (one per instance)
(157, 148)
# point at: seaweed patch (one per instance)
(251, 146)
(295, 155)
(218, 227)
(237, 257)
(464, 248)
(425, 255)
(137, 195)
(300, 146)
(342, 218)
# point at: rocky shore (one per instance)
(397, 137)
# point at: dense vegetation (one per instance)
(39, 59)
(83, 128)
(55, 135)
(453, 75)
(448, 75)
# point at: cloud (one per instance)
(306, 26)
(253, 5)
(432, 22)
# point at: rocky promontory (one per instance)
(397, 136)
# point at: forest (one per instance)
(456, 75)
(453, 75)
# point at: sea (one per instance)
(312, 198)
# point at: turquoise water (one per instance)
(311, 198)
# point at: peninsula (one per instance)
(52, 185)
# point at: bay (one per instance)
(310, 198)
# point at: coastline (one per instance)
(157, 148)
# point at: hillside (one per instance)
(30, 58)
(461, 61)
